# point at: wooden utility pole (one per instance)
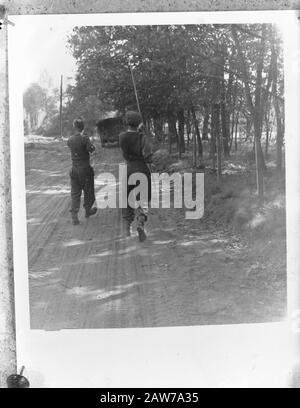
(60, 105)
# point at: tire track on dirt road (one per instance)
(90, 276)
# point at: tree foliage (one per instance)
(34, 98)
(193, 77)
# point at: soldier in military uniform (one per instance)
(82, 173)
(137, 153)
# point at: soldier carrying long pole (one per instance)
(137, 153)
(148, 153)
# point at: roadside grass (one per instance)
(233, 204)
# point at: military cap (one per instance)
(133, 118)
(78, 124)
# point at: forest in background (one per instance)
(206, 89)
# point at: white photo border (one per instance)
(200, 356)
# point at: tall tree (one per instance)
(276, 101)
(254, 101)
(34, 101)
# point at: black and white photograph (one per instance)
(210, 99)
(151, 160)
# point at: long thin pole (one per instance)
(60, 105)
(135, 92)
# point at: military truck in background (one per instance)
(109, 129)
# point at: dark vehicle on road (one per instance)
(109, 129)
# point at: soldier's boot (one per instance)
(141, 219)
(141, 233)
(90, 211)
(75, 219)
(126, 228)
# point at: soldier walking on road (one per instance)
(136, 152)
(81, 173)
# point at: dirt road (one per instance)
(88, 276)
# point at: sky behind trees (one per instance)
(42, 41)
(42, 48)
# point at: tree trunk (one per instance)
(270, 136)
(205, 122)
(234, 109)
(226, 97)
(199, 142)
(236, 131)
(267, 125)
(172, 131)
(232, 128)
(212, 153)
(258, 116)
(259, 167)
(255, 108)
(248, 128)
(158, 129)
(197, 131)
(267, 144)
(181, 144)
(170, 142)
(225, 129)
(188, 127)
(216, 135)
(279, 138)
(279, 127)
(217, 96)
(194, 150)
